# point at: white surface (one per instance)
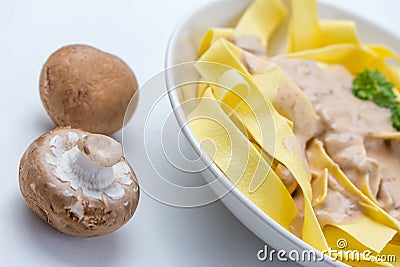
(137, 31)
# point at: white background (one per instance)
(137, 31)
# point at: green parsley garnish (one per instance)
(396, 116)
(372, 85)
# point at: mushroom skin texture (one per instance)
(78, 182)
(86, 88)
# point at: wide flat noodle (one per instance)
(264, 124)
(261, 19)
(225, 59)
(364, 184)
(257, 116)
(366, 225)
(240, 160)
(307, 32)
(391, 72)
(335, 42)
(319, 160)
(304, 30)
(320, 187)
(201, 87)
(358, 228)
(384, 52)
(323, 32)
(235, 90)
(274, 83)
(352, 252)
(214, 34)
(289, 100)
(396, 241)
(355, 58)
(337, 32)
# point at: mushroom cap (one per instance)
(64, 206)
(102, 151)
(84, 87)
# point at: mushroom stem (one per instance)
(90, 163)
(90, 175)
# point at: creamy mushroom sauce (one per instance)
(251, 44)
(344, 125)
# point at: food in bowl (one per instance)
(310, 135)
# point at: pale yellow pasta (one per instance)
(256, 120)
(384, 52)
(319, 160)
(320, 187)
(338, 32)
(209, 121)
(368, 222)
(387, 136)
(261, 19)
(304, 30)
(272, 79)
(354, 57)
(366, 257)
(214, 34)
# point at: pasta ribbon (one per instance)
(240, 160)
(201, 87)
(261, 19)
(319, 160)
(319, 33)
(338, 32)
(391, 72)
(396, 241)
(320, 187)
(264, 124)
(276, 85)
(356, 239)
(273, 83)
(304, 30)
(335, 42)
(323, 33)
(214, 34)
(384, 52)
(366, 225)
(353, 57)
(235, 90)
(353, 252)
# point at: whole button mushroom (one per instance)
(78, 182)
(86, 88)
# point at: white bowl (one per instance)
(183, 47)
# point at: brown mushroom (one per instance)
(86, 88)
(78, 182)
